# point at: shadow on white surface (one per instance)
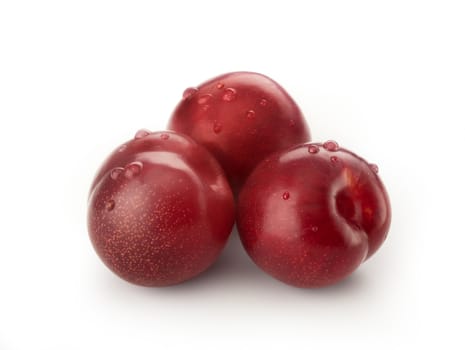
(235, 267)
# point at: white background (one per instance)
(384, 78)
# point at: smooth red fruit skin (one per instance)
(146, 141)
(160, 210)
(309, 216)
(241, 118)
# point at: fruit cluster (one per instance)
(163, 204)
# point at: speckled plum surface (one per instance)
(160, 209)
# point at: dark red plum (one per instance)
(310, 215)
(240, 117)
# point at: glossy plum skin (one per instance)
(160, 210)
(240, 117)
(309, 216)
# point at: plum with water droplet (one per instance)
(160, 209)
(240, 118)
(310, 215)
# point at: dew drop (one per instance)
(132, 169)
(188, 93)
(313, 149)
(334, 159)
(164, 136)
(115, 173)
(217, 127)
(250, 114)
(110, 205)
(229, 95)
(374, 168)
(263, 102)
(315, 228)
(331, 146)
(292, 123)
(141, 133)
(286, 195)
(219, 85)
(204, 99)
(123, 148)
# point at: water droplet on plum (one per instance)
(334, 159)
(164, 136)
(374, 168)
(116, 172)
(219, 85)
(229, 95)
(286, 195)
(132, 169)
(331, 146)
(313, 149)
(141, 133)
(250, 114)
(204, 99)
(189, 92)
(217, 127)
(263, 102)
